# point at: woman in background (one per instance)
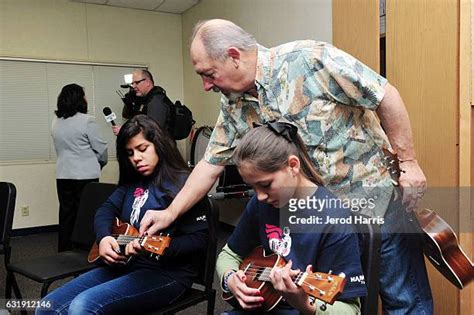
(81, 154)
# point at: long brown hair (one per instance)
(268, 149)
(171, 165)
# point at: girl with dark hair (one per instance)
(81, 154)
(274, 161)
(151, 173)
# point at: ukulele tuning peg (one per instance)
(323, 307)
(330, 278)
(342, 275)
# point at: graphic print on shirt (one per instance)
(141, 196)
(279, 240)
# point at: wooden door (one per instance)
(356, 29)
(426, 60)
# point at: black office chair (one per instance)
(46, 270)
(202, 289)
(7, 209)
(370, 241)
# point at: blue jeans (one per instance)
(107, 290)
(404, 285)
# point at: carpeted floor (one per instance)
(30, 246)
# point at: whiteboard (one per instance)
(28, 96)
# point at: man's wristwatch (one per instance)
(225, 280)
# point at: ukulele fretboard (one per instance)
(125, 239)
(263, 274)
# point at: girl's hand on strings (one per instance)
(247, 297)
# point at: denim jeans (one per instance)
(404, 285)
(107, 290)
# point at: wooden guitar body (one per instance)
(257, 266)
(258, 258)
(440, 243)
(442, 248)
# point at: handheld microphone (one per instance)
(109, 115)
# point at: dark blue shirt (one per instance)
(188, 234)
(326, 246)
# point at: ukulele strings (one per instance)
(127, 238)
(265, 277)
(257, 270)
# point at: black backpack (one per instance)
(180, 121)
(180, 118)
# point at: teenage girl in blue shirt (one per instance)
(152, 171)
(273, 160)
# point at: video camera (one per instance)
(132, 103)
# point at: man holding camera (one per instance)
(153, 100)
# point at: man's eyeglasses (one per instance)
(284, 129)
(138, 81)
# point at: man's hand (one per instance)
(109, 251)
(156, 220)
(282, 281)
(247, 297)
(394, 118)
(413, 183)
(203, 176)
(116, 129)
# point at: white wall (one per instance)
(272, 22)
(59, 29)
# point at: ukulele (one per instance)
(440, 243)
(257, 266)
(124, 233)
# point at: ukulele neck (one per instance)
(123, 240)
(263, 274)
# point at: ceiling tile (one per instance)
(173, 6)
(136, 4)
(169, 6)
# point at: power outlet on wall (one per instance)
(25, 211)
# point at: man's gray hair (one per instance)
(218, 35)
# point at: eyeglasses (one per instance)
(284, 129)
(138, 81)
